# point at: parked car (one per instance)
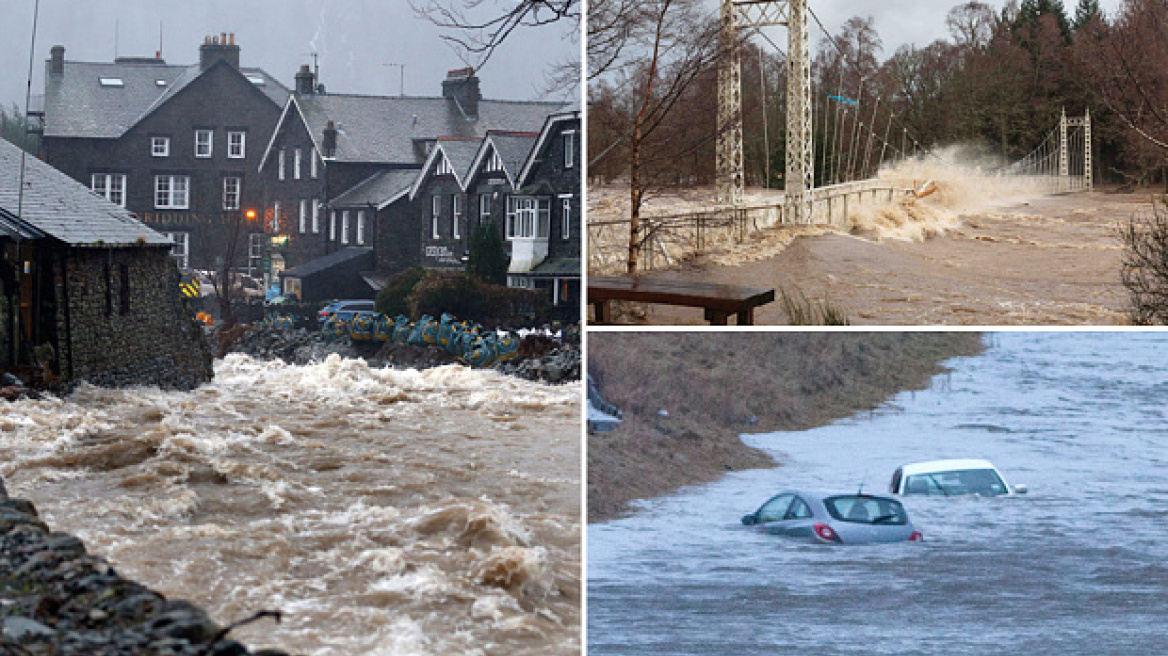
(951, 478)
(345, 310)
(834, 518)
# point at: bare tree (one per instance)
(478, 27)
(1145, 263)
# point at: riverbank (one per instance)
(687, 397)
(57, 599)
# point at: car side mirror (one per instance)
(750, 519)
(1020, 488)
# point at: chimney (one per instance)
(305, 82)
(57, 60)
(329, 145)
(462, 87)
(219, 47)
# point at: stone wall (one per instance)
(124, 323)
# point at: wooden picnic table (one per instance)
(719, 301)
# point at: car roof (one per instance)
(821, 495)
(954, 464)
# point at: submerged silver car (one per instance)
(834, 518)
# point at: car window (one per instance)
(775, 509)
(799, 509)
(866, 510)
(984, 482)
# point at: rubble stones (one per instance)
(60, 600)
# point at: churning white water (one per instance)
(384, 511)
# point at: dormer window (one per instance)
(111, 81)
(160, 146)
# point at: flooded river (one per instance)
(1077, 566)
(385, 512)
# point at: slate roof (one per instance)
(77, 105)
(327, 262)
(385, 129)
(513, 149)
(461, 154)
(61, 207)
(557, 267)
(378, 188)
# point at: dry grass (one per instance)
(715, 386)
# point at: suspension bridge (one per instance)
(840, 132)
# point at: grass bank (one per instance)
(715, 386)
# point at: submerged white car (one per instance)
(951, 478)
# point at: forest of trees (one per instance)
(998, 82)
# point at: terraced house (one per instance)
(382, 179)
(179, 146)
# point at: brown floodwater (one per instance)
(383, 511)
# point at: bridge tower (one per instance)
(799, 177)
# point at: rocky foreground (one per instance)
(56, 599)
(541, 356)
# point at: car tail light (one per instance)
(916, 537)
(825, 532)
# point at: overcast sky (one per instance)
(355, 39)
(918, 22)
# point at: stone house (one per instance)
(358, 154)
(179, 146)
(87, 291)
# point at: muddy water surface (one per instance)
(386, 512)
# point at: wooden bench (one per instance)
(719, 301)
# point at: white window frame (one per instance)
(160, 146)
(110, 186)
(333, 225)
(436, 210)
(303, 215)
(344, 226)
(276, 217)
(231, 196)
(360, 227)
(297, 155)
(280, 164)
(528, 217)
(565, 217)
(172, 192)
(255, 251)
(484, 207)
(181, 251)
(236, 149)
(443, 167)
(204, 138)
(315, 216)
(457, 207)
(495, 163)
(569, 148)
(312, 164)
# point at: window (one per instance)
(443, 167)
(203, 143)
(296, 164)
(236, 145)
(361, 227)
(565, 217)
(345, 227)
(775, 509)
(110, 186)
(160, 146)
(312, 164)
(435, 210)
(111, 81)
(457, 206)
(231, 193)
(484, 208)
(315, 216)
(569, 148)
(333, 225)
(276, 217)
(280, 164)
(528, 218)
(181, 251)
(172, 192)
(303, 216)
(255, 251)
(866, 510)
